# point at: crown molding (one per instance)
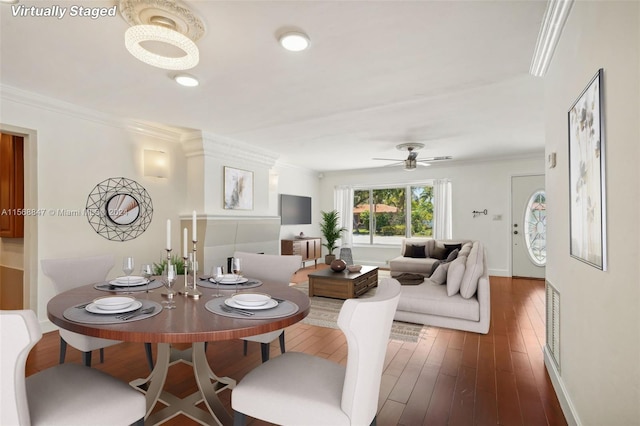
(200, 143)
(555, 16)
(36, 100)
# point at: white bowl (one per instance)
(251, 299)
(354, 268)
(112, 303)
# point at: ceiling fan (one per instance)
(412, 162)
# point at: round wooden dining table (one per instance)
(190, 322)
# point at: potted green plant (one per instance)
(175, 260)
(331, 232)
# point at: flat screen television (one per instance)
(295, 210)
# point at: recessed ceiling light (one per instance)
(9, 1)
(294, 41)
(186, 80)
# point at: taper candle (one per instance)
(184, 242)
(168, 234)
(195, 232)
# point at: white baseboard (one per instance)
(567, 406)
(499, 272)
(46, 326)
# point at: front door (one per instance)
(529, 226)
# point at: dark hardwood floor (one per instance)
(448, 377)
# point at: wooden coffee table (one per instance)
(342, 285)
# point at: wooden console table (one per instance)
(343, 285)
(309, 248)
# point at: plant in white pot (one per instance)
(331, 231)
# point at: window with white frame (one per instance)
(386, 215)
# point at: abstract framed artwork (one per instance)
(238, 189)
(587, 205)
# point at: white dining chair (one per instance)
(66, 274)
(302, 389)
(68, 394)
(275, 269)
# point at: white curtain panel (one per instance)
(343, 203)
(442, 215)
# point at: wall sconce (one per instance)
(155, 163)
(274, 178)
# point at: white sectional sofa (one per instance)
(462, 302)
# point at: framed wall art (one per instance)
(119, 209)
(238, 189)
(587, 205)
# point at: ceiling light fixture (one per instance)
(186, 80)
(161, 26)
(552, 24)
(294, 41)
(142, 33)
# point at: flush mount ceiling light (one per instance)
(186, 80)
(294, 41)
(552, 24)
(157, 23)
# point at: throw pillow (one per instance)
(439, 253)
(452, 256)
(417, 252)
(408, 250)
(473, 272)
(452, 247)
(439, 276)
(454, 276)
(434, 267)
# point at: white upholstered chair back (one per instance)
(20, 331)
(269, 267)
(67, 274)
(366, 323)
(75, 272)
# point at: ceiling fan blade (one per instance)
(387, 159)
(435, 158)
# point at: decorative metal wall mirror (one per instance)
(119, 209)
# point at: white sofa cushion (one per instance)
(431, 299)
(454, 275)
(473, 271)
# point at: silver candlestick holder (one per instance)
(192, 291)
(184, 290)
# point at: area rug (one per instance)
(325, 310)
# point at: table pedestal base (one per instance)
(208, 384)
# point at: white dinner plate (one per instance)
(270, 304)
(251, 299)
(91, 307)
(132, 279)
(230, 281)
(124, 284)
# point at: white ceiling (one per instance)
(450, 74)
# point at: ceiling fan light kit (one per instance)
(412, 162)
(164, 22)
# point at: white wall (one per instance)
(297, 181)
(76, 150)
(475, 186)
(599, 378)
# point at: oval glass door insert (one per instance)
(535, 219)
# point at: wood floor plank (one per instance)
(447, 377)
